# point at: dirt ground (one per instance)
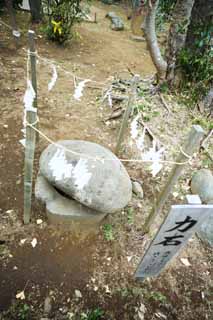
(63, 262)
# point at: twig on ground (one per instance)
(203, 144)
(210, 133)
(164, 103)
(115, 114)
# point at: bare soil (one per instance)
(62, 261)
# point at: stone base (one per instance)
(63, 211)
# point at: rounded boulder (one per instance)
(88, 173)
(202, 184)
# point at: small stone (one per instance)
(137, 189)
(202, 184)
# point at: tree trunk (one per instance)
(202, 14)
(151, 38)
(9, 5)
(177, 37)
(36, 10)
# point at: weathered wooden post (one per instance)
(131, 102)
(31, 118)
(191, 146)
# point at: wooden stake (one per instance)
(31, 118)
(192, 145)
(127, 113)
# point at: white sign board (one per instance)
(177, 229)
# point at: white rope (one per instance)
(73, 75)
(81, 154)
(97, 158)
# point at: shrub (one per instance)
(62, 15)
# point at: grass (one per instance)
(108, 232)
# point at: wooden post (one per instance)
(31, 118)
(191, 146)
(95, 17)
(127, 113)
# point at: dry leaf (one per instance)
(34, 242)
(39, 221)
(107, 290)
(20, 295)
(186, 262)
(78, 294)
(22, 241)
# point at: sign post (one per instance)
(178, 227)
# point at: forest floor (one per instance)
(89, 273)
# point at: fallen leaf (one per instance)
(175, 194)
(22, 241)
(160, 315)
(78, 294)
(186, 262)
(34, 242)
(20, 295)
(107, 290)
(39, 221)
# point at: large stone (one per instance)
(89, 173)
(64, 211)
(205, 232)
(202, 184)
(117, 22)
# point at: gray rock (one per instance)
(89, 173)
(117, 22)
(137, 189)
(202, 184)
(111, 15)
(206, 230)
(64, 211)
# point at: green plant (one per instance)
(205, 123)
(24, 312)
(197, 62)
(130, 218)
(95, 314)
(108, 232)
(164, 13)
(158, 296)
(147, 112)
(62, 16)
